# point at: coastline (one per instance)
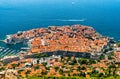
(47, 43)
(8, 43)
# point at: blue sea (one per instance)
(20, 15)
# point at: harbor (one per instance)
(7, 52)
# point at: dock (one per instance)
(7, 52)
(2, 41)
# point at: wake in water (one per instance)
(72, 20)
(66, 20)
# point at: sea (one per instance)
(21, 15)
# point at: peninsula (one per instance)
(58, 51)
(75, 38)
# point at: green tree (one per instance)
(61, 71)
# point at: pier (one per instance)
(2, 41)
(25, 48)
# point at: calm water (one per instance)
(103, 15)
